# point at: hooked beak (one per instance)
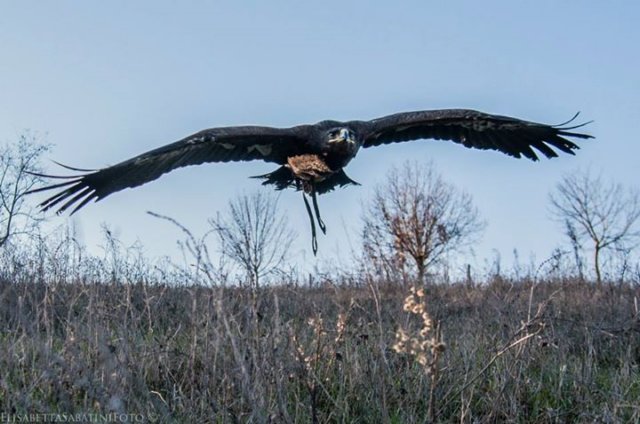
(345, 134)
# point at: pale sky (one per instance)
(104, 81)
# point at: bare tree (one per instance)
(603, 212)
(18, 163)
(417, 216)
(253, 235)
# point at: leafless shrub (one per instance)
(19, 164)
(416, 218)
(605, 213)
(254, 235)
(198, 266)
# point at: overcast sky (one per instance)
(104, 81)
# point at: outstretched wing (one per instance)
(213, 145)
(475, 129)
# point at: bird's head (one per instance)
(341, 135)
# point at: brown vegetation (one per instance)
(414, 219)
(553, 351)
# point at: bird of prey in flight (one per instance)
(312, 157)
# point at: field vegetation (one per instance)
(393, 338)
(79, 335)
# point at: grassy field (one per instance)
(500, 351)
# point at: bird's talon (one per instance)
(323, 227)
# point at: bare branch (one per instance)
(18, 163)
(254, 235)
(605, 213)
(416, 215)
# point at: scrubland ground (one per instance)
(356, 350)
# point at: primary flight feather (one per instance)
(312, 157)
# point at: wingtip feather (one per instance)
(71, 168)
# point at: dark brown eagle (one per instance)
(312, 157)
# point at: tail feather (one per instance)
(283, 178)
(339, 179)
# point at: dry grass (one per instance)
(562, 351)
